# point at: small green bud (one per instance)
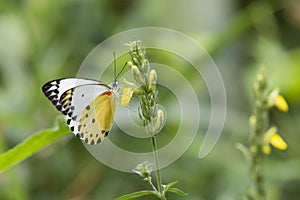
(261, 82)
(138, 91)
(135, 60)
(133, 54)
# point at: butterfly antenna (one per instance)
(121, 71)
(115, 66)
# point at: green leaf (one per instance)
(177, 191)
(136, 194)
(170, 184)
(33, 144)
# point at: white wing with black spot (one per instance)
(54, 89)
(71, 96)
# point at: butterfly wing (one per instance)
(71, 97)
(54, 90)
(97, 118)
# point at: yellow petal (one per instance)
(266, 149)
(278, 142)
(266, 139)
(281, 104)
(126, 96)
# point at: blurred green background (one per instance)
(44, 40)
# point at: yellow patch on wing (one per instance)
(97, 118)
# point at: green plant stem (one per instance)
(158, 176)
(260, 113)
(256, 171)
(153, 186)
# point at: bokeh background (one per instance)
(44, 40)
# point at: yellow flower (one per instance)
(273, 138)
(275, 99)
(128, 92)
(281, 104)
(126, 96)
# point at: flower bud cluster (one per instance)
(264, 101)
(153, 118)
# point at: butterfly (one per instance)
(89, 105)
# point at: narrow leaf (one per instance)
(171, 184)
(177, 191)
(136, 194)
(33, 144)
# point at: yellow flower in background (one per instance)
(277, 141)
(275, 99)
(281, 104)
(273, 138)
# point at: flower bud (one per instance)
(144, 170)
(152, 79)
(129, 63)
(135, 60)
(266, 149)
(137, 74)
(277, 142)
(260, 83)
(135, 69)
(138, 91)
(272, 137)
(275, 99)
(159, 121)
(281, 104)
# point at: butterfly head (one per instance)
(114, 84)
